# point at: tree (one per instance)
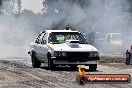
(0, 6)
(0, 3)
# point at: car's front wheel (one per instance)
(81, 79)
(35, 62)
(50, 63)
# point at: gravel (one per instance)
(19, 74)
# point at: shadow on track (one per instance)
(67, 69)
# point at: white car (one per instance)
(63, 47)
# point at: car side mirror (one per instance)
(28, 52)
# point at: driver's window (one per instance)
(39, 38)
(44, 39)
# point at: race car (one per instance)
(63, 47)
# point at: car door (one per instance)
(44, 48)
(38, 45)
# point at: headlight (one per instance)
(59, 53)
(94, 54)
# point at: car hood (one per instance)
(74, 47)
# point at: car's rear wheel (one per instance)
(51, 65)
(93, 67)
(35, 62)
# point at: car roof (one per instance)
(49, 31)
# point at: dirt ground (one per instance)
(19, 73)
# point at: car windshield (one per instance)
(61, 37)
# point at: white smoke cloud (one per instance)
(34, 5)
(17, 31)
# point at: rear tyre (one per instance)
(51, 65)
(93, 67)
(35, 62)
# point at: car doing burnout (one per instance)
(63, 47)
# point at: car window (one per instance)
(39, 38)
(44, 39)
(61, 37)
